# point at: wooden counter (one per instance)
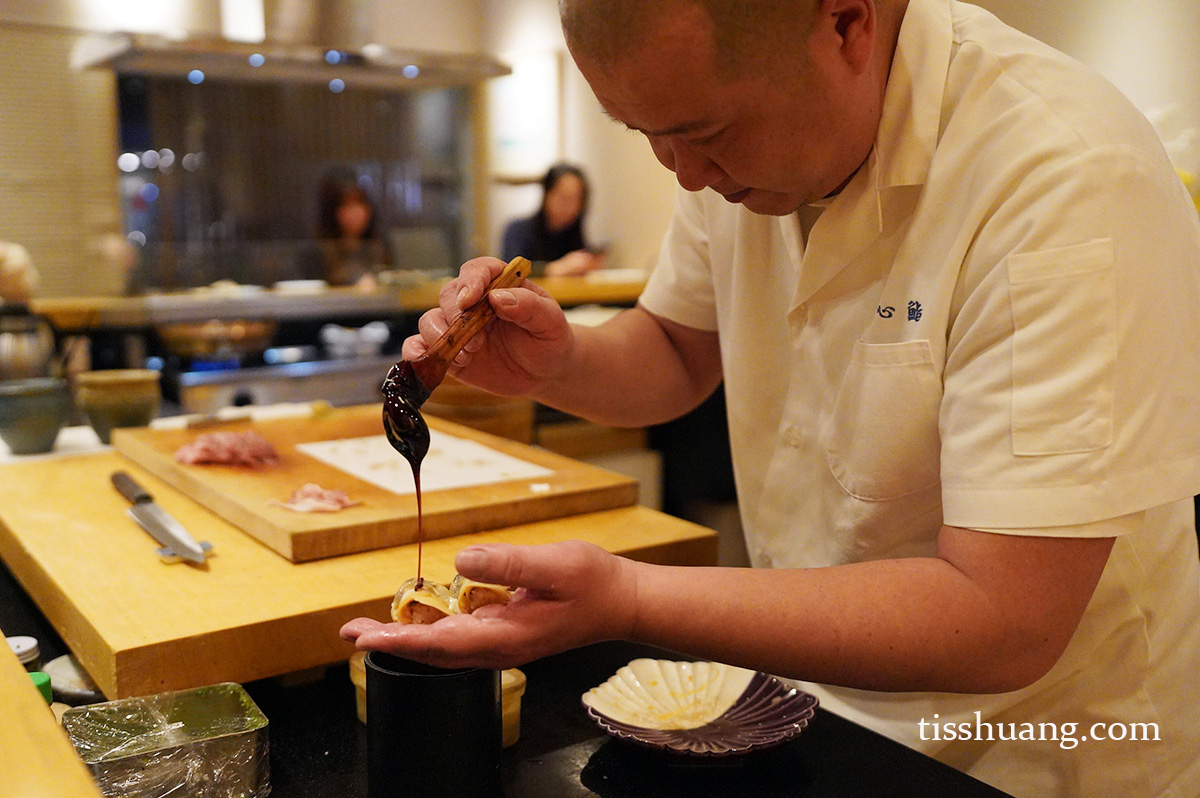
(36, 758)
(83, 314)
(140, 626)
(595, 289)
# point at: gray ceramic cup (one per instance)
(32, 411)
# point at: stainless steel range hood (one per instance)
(306, 41)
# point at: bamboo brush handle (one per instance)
(432, 365)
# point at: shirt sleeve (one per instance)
(1070, 388)
(1107, 528)
(680, 287)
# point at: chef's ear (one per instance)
(848, 29)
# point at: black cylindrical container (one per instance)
(431, 732)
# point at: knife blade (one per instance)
(175, 539)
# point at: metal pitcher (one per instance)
(26, 343)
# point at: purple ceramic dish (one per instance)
(642, 699)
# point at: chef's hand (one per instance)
(567, 595)
(528, 342)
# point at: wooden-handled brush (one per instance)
(417, 378)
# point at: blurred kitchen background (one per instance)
(147, 123)
(162, 160)
(216, 178)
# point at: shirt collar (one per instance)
(912, 103)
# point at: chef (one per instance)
(949, 279)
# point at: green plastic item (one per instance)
(42, 682)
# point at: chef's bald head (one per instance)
(744, 33)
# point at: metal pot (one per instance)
(218, 338)
(26, 343)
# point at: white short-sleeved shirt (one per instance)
(995, 325)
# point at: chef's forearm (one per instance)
(630, 372)
(909, 624)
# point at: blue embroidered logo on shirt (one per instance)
(914, 311)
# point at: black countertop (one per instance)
(319, 748)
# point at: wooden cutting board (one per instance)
(249, 497)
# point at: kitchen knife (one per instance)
(175, 540)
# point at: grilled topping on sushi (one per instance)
(421, 601)
(472, 595)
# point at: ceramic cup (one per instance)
(117, 398)
(32, 411)
(431, 731)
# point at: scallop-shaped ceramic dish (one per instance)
(705, 708)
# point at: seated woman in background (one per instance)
(553, 237)
(351, 252)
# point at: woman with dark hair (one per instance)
(351, 250)
(553, 237)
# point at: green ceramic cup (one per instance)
(117, 398)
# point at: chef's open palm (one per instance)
(567, 595)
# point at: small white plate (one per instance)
(300, 286)
(616, 276)
(70, 682)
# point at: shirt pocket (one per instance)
(882, 439)
(1064, 351)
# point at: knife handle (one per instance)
(132, 491)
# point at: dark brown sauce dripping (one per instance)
(409, 383)
(420, 526)
(407, 431)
